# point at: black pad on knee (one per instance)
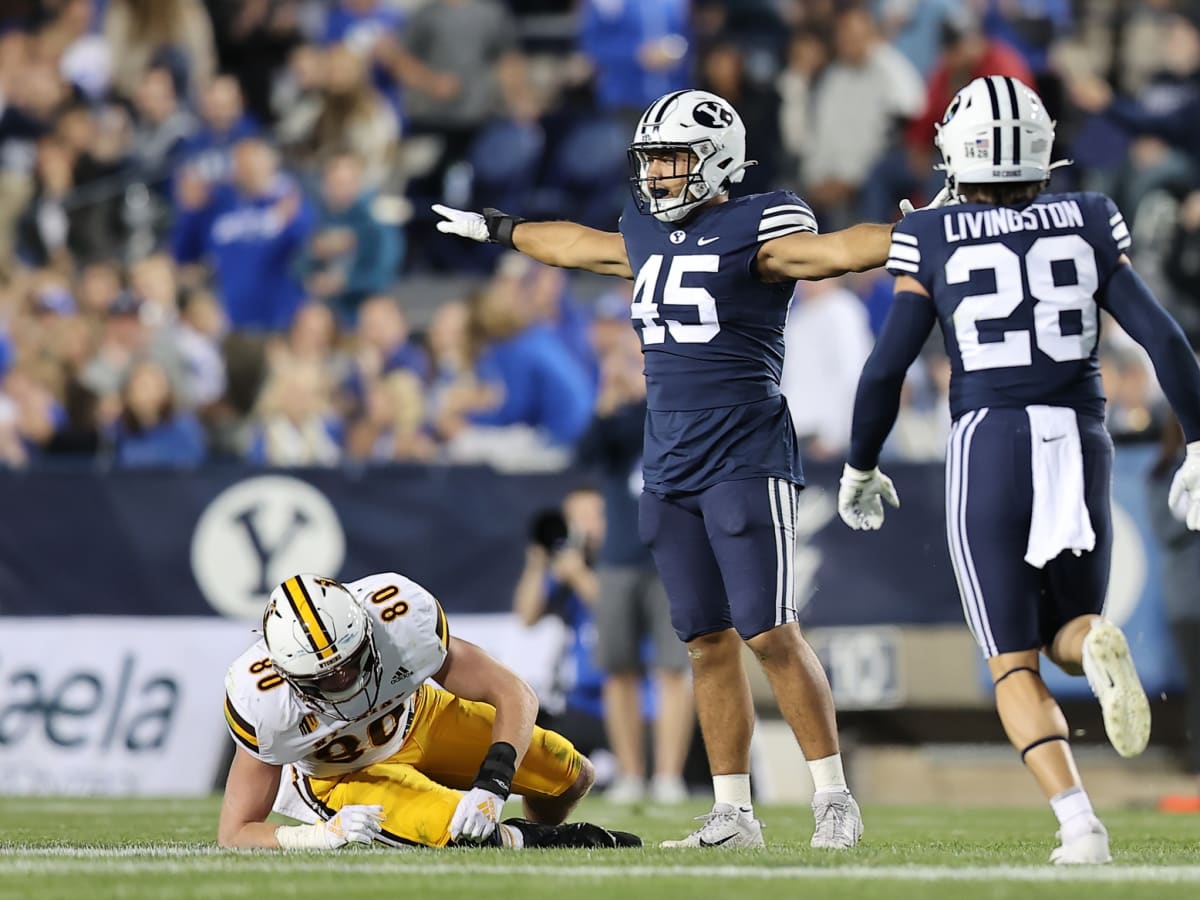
(996, 683)
(1040, 741)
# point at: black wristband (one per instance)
(500, 226)
(499, 767)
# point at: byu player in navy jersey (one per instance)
(1017, 277)
(713, 277)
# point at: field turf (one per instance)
(54, 848)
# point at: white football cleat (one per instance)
(1114, 680)
(1089, 849)
(838, 820)
(726, 827)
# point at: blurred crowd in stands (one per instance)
(216, 243)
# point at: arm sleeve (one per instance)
(1137, 311)
(877, 401)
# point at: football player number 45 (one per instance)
(647, 308)
(1051, 301)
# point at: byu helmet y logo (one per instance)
(712, 114)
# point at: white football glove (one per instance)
(1184, 498)
(463, 223)
(859, 502)
(941, 198)
(358, 824)
(477, 814)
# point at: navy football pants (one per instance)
(725, 555)
(1010, 605)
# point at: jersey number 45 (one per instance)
(647, 307)
(1046, 258)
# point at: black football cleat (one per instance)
(625, 838)
(579, 835)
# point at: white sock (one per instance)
(734, 790)
(827, 774)
(511, 837)
(1073, 808)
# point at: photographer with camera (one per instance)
(559, 580)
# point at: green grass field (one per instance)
(59, 848)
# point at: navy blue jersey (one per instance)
(712, 334)
(1018, 292)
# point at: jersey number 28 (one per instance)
(645, 305)
(1050, 300)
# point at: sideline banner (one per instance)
(216, 540)
(114, 705)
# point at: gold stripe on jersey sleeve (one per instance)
(239, 727)
(443, 628)
(314, 628)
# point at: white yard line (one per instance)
(211, 860)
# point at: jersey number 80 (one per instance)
(1051, 300)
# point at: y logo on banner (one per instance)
(248, 519)
(258, 532)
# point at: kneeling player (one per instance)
(1017, 278)
(336, 687)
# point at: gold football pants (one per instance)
(420, 785)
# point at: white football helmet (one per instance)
(683, 121)
(995, 130)
(319, 640)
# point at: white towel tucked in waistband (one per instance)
(1060, 518)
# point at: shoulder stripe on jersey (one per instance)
(904, 238)
(787, 214)
(443, 627)
(1120, 231)
(787, 207)
(314, 629)
(787, 219)
(903, 251)
(1012, 96)
(309, 724)
(994, 96)
(239, 727)
(784, 231)
(902, 265)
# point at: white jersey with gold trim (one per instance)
(268, 718)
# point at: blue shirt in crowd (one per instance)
(176, 443)
(543, 385)
(253, 252)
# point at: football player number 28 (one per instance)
(1051, 301)
(674, 293)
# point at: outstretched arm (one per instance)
(566, 245)
(1137, 311)
(877, 400)
(863, 487)
(811, 257)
